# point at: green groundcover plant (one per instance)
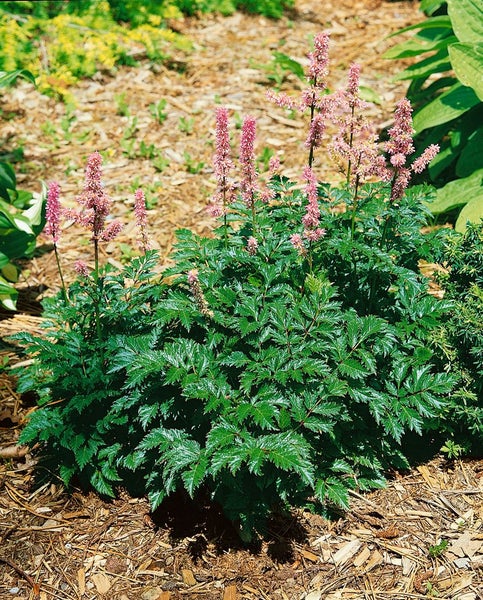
(278, 362)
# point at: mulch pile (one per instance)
(421, 537)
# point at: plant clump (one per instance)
(279, 362)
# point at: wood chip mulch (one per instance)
(421, 537)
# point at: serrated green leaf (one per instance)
(156, 497)
(101, 485)
(331, 489)
(192, 478)
(289, 452)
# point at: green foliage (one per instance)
(21, 217)
(280, 67)
(449, 108)
(275, 363)
(293, 381)
(438, 549)
(460, 339)
(79, 39)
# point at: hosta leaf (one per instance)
(457, 193)
(467, 62)
(446, 107)
(471, 213)
(467, 19)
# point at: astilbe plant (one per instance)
(277, 363)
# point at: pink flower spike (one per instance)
(53, 211)
(222, 162)
(81, 268)
(111, 231)
(313, 235)
(319, 60)
(141, 219)
(197, 292)
(352, 91)
(94, 198)
(400, 183)
(252, 245)
(426, 157)
(273, 165)
(282, 100)
(248, 184)
(298, 244)
(317, 129)
(401, 134)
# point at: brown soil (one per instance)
(54, 545)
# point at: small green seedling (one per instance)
(438, 549)
(157, 111)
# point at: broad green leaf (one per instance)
(436, 63)
(451, 104)
(457, 193)
(8, 294)
(8, 78)
(431, 6)
(442, 21)
(467, 62)
(471, 157)
(10, 272)
(467, 19)
(472, 212)
(418, 45)
(289, 64)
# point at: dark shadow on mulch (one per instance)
(203, 521)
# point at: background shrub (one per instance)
(461, 339)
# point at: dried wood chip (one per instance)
(188, 577)
(466, 545)
(361, 558)
(346, 552)
(375, 560)
(102, 582)
(81, 581)
(229, 592)
(310, 555)
(389, 533)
